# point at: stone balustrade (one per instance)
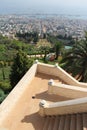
(57, 71)
(64, 90)
(64, 107)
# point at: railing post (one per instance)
(36, 62)
(56, 65)
(42, 106)
(50, 86)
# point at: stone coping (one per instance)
(77, 88)
(68, 103)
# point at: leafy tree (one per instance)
(28, 36)
(20, 65)
(75, 60)
(51, 38)
(44, 50)
(5, 87)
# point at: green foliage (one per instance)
(20, 65)
(75, 60)
(66, 40)
(58, 46)
(65, 37)
(51, 39)
(2, 95)
(8, 48)
(2, 48)
(4, 40)
(5, 86)
(28, 37)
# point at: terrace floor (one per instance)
(25, 114)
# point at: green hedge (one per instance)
(2, 95)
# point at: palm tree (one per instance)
(57, 46)
(75, 60)
(45, 50)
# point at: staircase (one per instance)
(66, 122)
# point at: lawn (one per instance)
(43, 42)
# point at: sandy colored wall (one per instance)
(9, 103)
(59, 72)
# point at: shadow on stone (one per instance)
(35, 119)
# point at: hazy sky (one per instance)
(45, 2)
(6, 5)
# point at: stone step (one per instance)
(73, 122)
(79, 122)
(56, 123)
(62, 123)
(84, 116)
(51, 123)
(67, 122)
(46, 124)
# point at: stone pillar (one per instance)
(36, 62)
(56, 65)
(42, 106)
(50, 86)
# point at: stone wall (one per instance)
(60, 73)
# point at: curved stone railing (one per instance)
(66, 90)
(55, 70)
(9, 103)
(64, 107)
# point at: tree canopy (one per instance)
(20, 65)
(75, 60)
(57, 46)
(28, 37)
